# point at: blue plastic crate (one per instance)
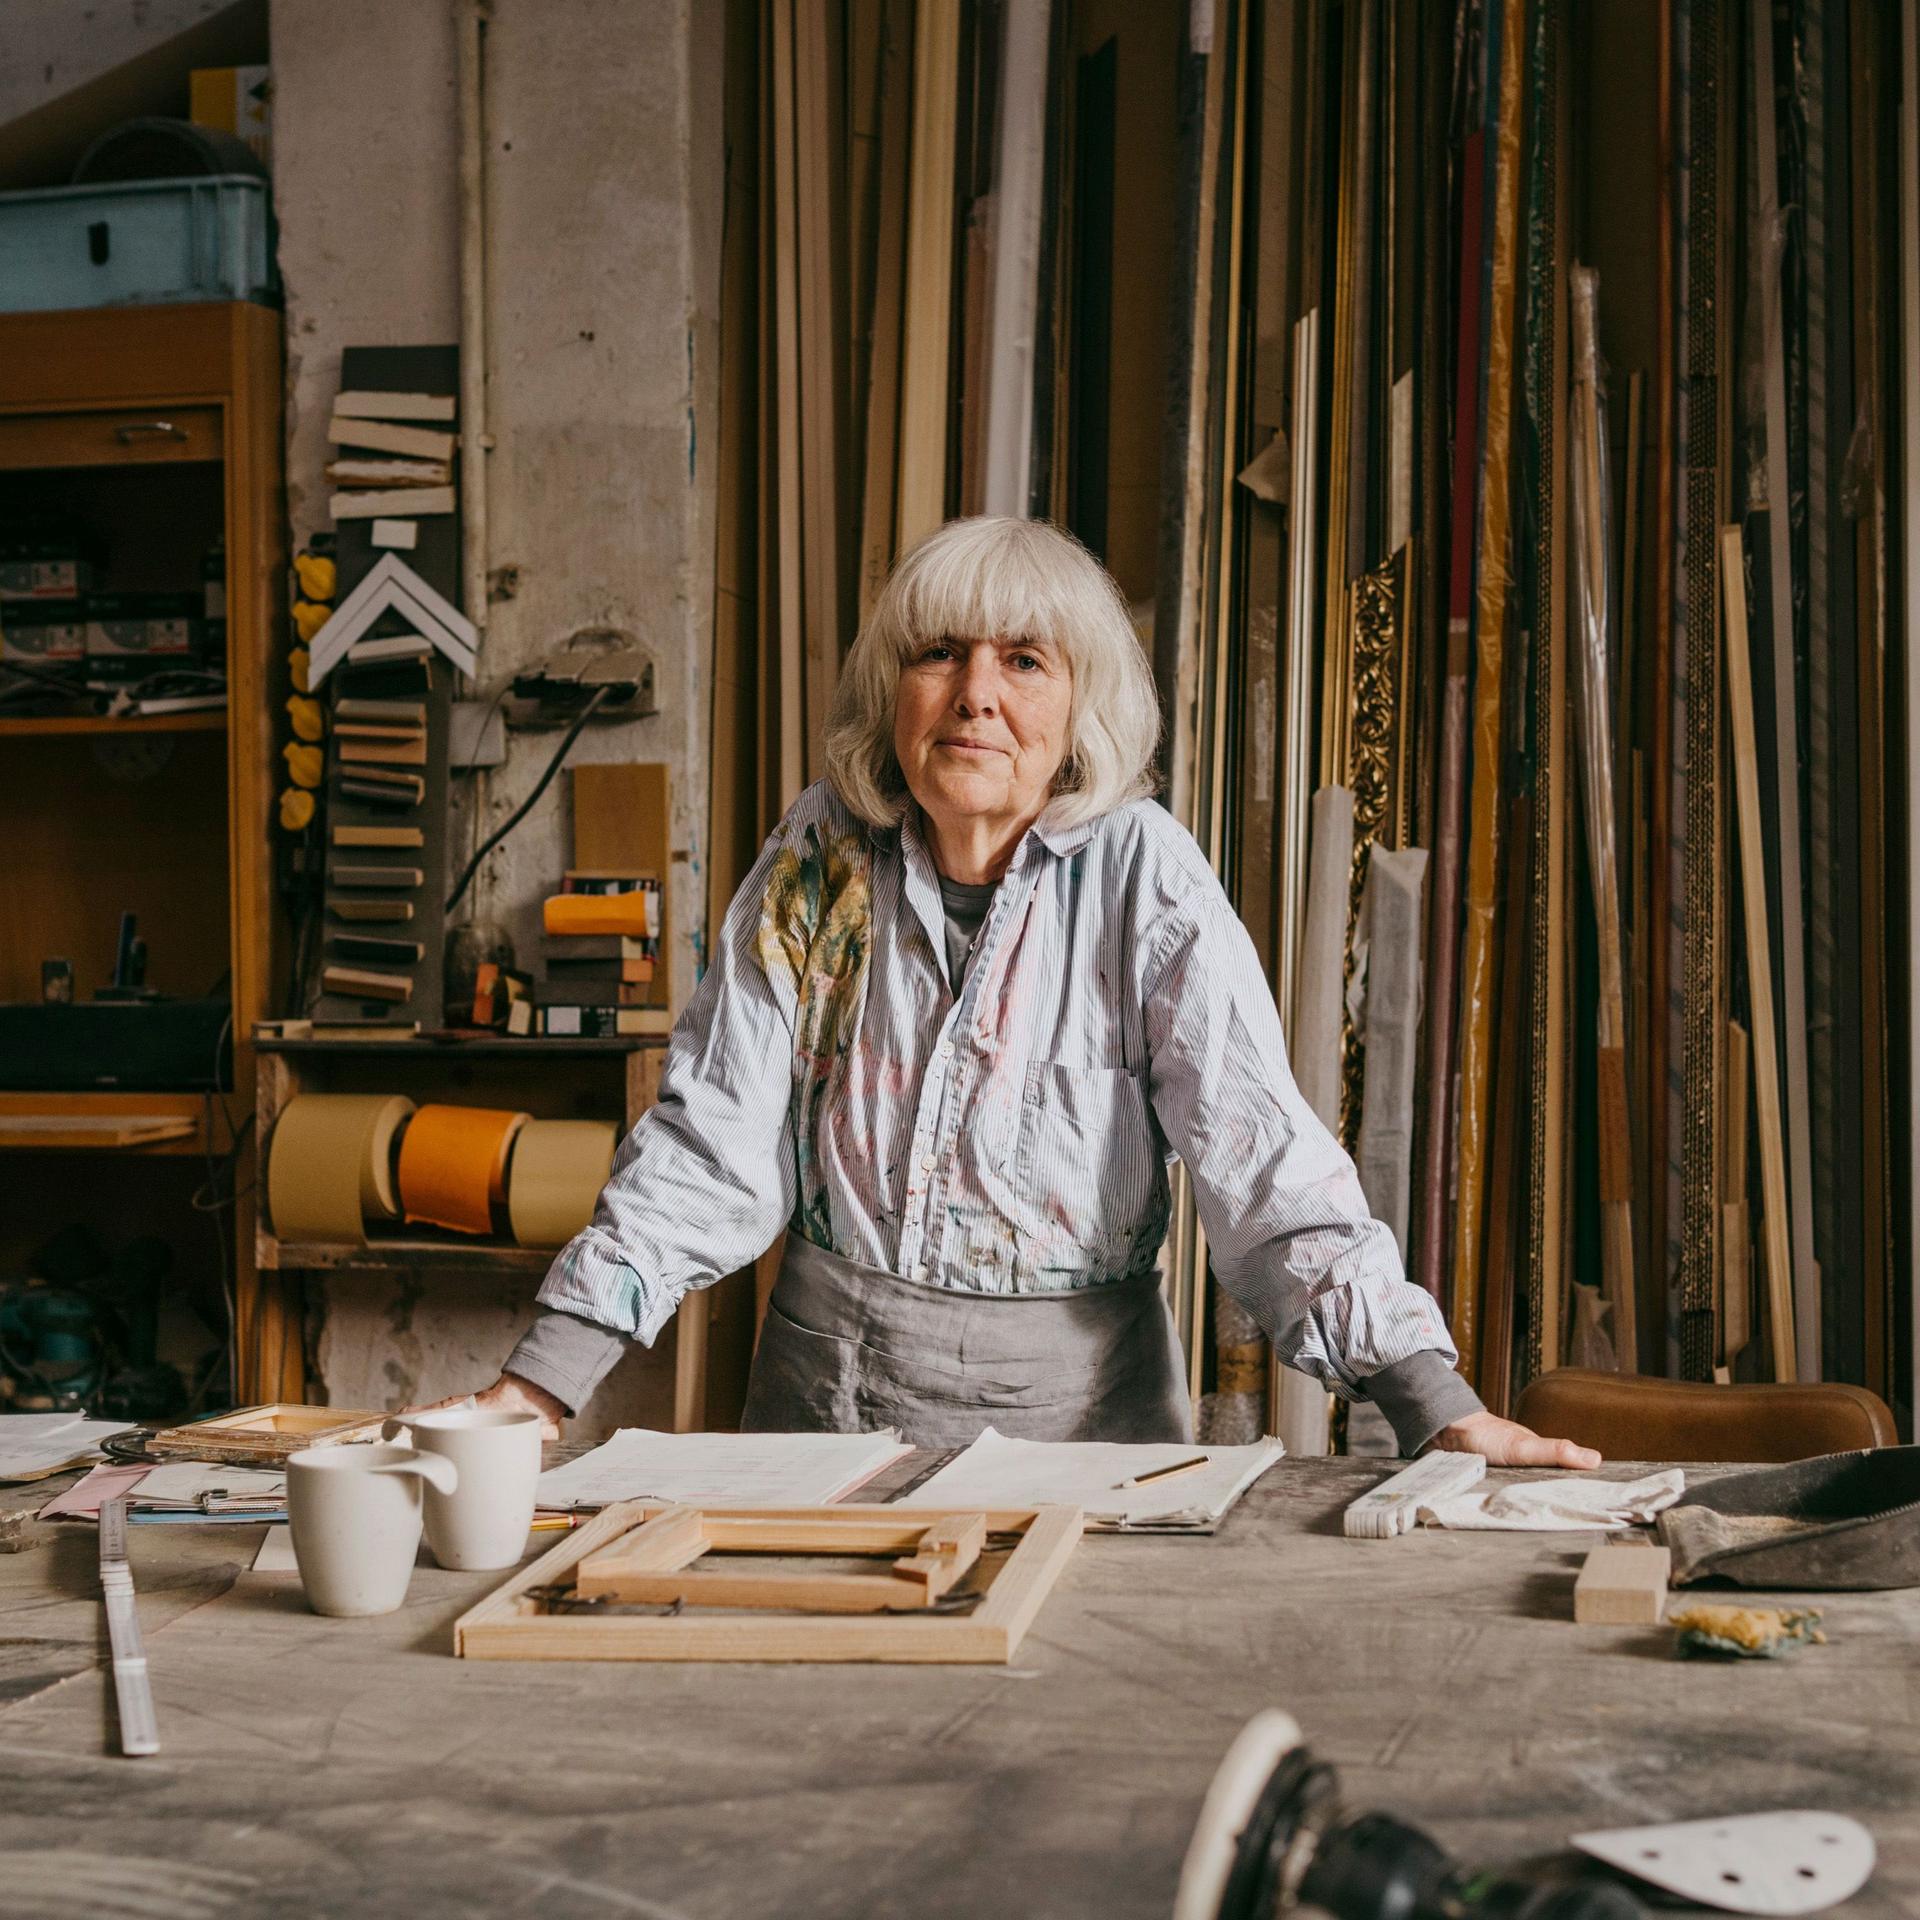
(137, 243)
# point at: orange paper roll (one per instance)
(600, 913)
(330, 1165)
(453, 1166)
(559, 1167)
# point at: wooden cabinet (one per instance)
(162, 427)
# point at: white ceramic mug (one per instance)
(355, 1512)
(483, 1522)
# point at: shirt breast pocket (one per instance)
(1088, 1165)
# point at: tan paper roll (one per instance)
(453, 1166)
(330, 1165)
(559, 1167)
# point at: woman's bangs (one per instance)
(995, 591)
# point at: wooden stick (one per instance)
(1753, 881)
(788, 562)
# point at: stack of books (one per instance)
(603, 949)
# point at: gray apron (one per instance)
(849, 1348)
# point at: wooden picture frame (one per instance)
(518, 1621)
(265, 1436)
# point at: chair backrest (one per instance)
(1630, 1417)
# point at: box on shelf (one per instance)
(137, 243)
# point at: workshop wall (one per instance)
(604, 165)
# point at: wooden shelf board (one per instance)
(429, 1251)
(204, 720)
(164, 1123)
(457, 1046)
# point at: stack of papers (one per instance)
(183, 1491)
(998, 1472)
(33, 1445)
(722, 1469)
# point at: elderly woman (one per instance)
(975, 995)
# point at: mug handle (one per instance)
(434, 1468)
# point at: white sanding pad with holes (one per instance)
(1795, 1862)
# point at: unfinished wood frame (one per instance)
(516, 1623)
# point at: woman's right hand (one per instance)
(510, 1394)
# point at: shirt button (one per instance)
(946, 1049)
(920, 1273)
(926, 1166)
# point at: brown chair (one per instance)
(1633, 1417)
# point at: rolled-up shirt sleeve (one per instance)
(705, 1181)
(1288, 1229)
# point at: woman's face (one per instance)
(980, 728)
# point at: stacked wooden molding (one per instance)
(344, 1167)
(386, 659)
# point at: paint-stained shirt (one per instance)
(1015, 1137)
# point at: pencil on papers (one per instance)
(1162, 1473)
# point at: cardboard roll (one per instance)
(330, 1165)
(559, 1167)
(453, 1167)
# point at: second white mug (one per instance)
(484, 1521)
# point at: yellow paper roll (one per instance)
(330, 1165)
(453, 1166)
(559, 1167)
(317, 575)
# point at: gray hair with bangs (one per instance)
(993, 578)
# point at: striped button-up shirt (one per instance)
(1015, 1137)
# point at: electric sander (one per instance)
(1275, 1839)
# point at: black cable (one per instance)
(525, 807)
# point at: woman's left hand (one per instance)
(1508, 1444)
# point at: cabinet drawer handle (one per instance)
(142, 429)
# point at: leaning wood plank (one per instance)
(1753, 885)
(1622, 1586)
(1493, 596)
(1592, 626)
(921, 499)
(1793, 988)
(1320, 987)
(787, 569)
(1736, 1244)
(93, 1130)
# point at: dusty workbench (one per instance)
(318, 1767)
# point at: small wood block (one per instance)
(378, 837)
(394, 406)
(399, 536)
(355, 983)
(400, 878)
(384, 501)
(947, 1549)
(413, 443)
(345, 909)
(1622, 1587)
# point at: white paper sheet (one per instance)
(732, 1469)
(998, 1472)
(276, 1552)
(1574, 1505)
(33, 1445)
